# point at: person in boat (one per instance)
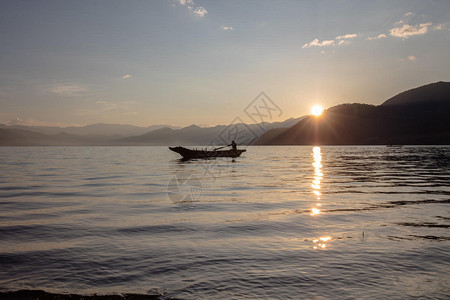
(233, 145)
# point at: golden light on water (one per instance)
(317, 110)
(318, 176)
(315, 211)
(321, 242)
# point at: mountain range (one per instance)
(98, 129)
(417, 116)
(128, 135)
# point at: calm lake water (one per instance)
(278, 222)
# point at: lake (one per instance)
(277, 222)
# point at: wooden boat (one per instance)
(189, 153)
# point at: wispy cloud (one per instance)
(227, 28)
(439, 27)
(33, 122)
(106, 106)
(345, 39)
(405, 16)
(185, 2)
(347, 36)
(126, 76)
(102, 107)
(380, 36)
(317, 43)
(412, 58)
(67, 89)
(407, 31)
(198, 11)
(339, 40)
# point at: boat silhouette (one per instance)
(194, 153)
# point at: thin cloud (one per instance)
(102, 107)
(339, 40)
(106, 106)
(184, 2)
(198, 11)
(407, 31)
(33, 122)
(126, 76)
(345, 39)
(227, 28)
(316, 43)
(439, 27)
(67, 89)
(347, 36)
(380, 36)
(412, 58)
(405, 16)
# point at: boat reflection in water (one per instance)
(319, 243)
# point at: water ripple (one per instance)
(278, 222)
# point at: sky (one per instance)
(183, 62)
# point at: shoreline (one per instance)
(43, 295)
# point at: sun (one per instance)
(317, 110)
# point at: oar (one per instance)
(219, 148)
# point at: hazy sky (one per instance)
(181, 62)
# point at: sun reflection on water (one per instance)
(319, 243)
(318, 176)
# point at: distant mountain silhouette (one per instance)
(417, 116)
(123, 135)
(191, 135)
(195, 136)
(21, 137)
(94, 129)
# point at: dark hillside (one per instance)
(418, 116)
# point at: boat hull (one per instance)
(189, 153)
